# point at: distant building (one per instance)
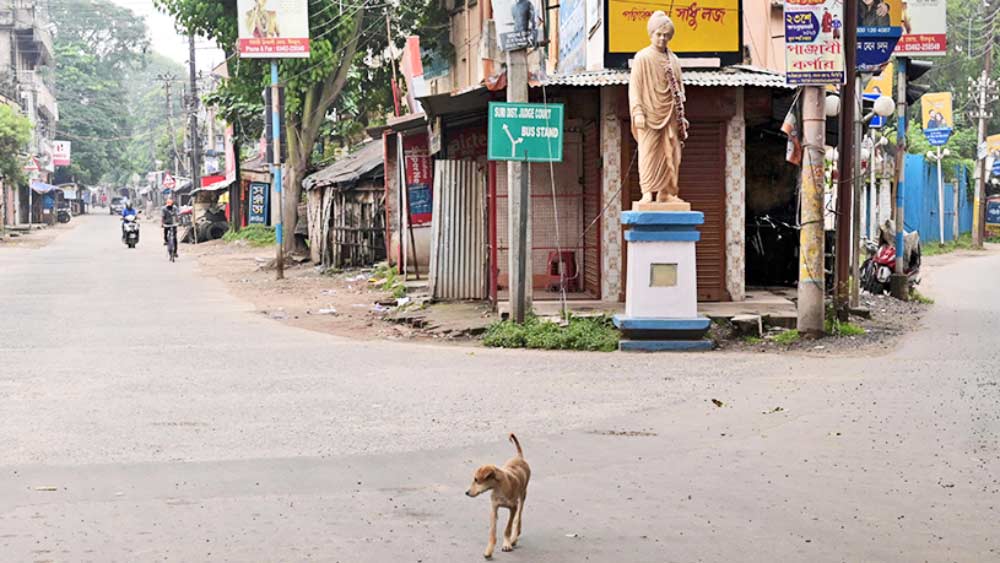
(27, 81)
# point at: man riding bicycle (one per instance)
(169, 219)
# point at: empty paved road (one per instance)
(149, 415)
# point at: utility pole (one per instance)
(519, 200)
(845, 184)
(167, 80)
(899, 284)
(811, 237)
(275, 157)
(195, 145)
(857, 187)
(986, 95)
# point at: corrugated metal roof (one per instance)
(733, 76)
(348, 169)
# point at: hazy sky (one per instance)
(167, 41)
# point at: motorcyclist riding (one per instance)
(169, 218)
(127, 210)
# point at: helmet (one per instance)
(169, 202)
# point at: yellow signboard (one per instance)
(703, 26)
(881, 84)
(936, 110)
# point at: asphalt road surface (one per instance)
(149, 415)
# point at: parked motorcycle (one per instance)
(877, 269)
(63, 215)
(130, 231)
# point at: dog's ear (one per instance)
(485, 473)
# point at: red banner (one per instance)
(263, 47)
(419, 177)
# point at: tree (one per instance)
(348, 46)
(97, 44)
(15, 133)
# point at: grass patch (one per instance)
(595, 334)
(255, 235)
(386, 278)
(834, 327)
(753, 340)
(920, 298)
(964, 242)
(788, 337)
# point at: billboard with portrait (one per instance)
(879, 28)
(814, 42)
(519, 23)
(273, 29)
(707, 29)
(937, 117)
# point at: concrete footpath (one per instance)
(132, 433)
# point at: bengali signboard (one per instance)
(61, 153)
(273, 29)
(417, 170)
(710, 29)
(925, 28)
(879, 28)
(814, 42)
(258, 196)
(525, 132)
(937, 117)
(519, 23)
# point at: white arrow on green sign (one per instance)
(525, 132)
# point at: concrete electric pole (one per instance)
(811, 313)
(518, 201)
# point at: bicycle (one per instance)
(172, 243)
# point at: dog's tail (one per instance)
(517, 444)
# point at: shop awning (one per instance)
(43, 188)
(214, 187)
(731, 76)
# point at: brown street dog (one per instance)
(510, 487)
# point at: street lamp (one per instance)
(877, 141)
(832, 106)
(938, 155)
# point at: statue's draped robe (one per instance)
(651, 93)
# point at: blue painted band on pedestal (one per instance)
(665, 345)
(660, 323)
(636, 235)
(662, 218)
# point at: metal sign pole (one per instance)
(276, 171)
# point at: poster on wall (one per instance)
(258, 195)
(937, 117)
(572, 36)
(419, 178)
(273, 29)
(925, 28)
(61, 153)
(993, 150)
(709, 29)
(519, 23)
(814, 42)
(879, 28)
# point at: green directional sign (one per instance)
(531, 132)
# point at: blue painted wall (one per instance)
(921, 200)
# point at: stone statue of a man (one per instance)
(656, 104)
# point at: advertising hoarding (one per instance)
(938, 121)
(814, 42)
(925, 28)
(273, 29)
(703, 29)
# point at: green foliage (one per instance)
(387, 279)
(97, 46)
(255, 235)
(964, 242)
(753, 340)
(787, 337)
(836, 328)
(581, 333)
(15, 132)
(961, 145)
(918, 297)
